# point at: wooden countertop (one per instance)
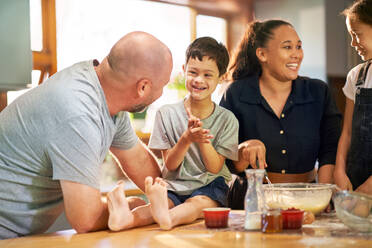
(326, 231)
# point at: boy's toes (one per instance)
(148, 182)
(163, 183)
(158, 180)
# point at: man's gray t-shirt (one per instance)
(171, 122)
(61, 130)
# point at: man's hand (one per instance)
(138, 163)
(253, 151)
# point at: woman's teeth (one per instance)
(292, 65)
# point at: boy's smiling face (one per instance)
(202, 78)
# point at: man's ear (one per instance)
(144, 87)
(261, 54)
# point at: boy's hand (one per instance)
(194, 122)
(198, 135)
(195, 131)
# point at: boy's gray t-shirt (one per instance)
(171, 122)
(61, 130)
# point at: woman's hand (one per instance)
(253, 151)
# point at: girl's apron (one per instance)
(359, 158)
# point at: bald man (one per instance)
(54, 138)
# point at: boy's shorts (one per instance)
(216, 190)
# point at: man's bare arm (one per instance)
(138, 163)
(84, 208)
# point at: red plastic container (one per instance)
(216, 217)
(292, 218)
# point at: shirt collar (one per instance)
(300, 91)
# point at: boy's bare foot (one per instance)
(157, 194)
(120, 215)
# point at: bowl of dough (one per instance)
(313, 197)
(354, 210)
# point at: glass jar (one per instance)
(254, 203)
(272, 221)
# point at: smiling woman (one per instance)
(287, 122)
(280, 60)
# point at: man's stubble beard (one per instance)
(138, 108)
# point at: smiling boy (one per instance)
(195, 136)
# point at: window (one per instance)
(211, 26)
(214, 27)
(83, 33)
(36, 25)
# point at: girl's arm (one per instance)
(325, 173)
(340, 176)
(366, 187)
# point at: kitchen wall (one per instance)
(326, 43)
(322, 30)
(340, 56)
(308, 18)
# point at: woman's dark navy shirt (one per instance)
(308, 128)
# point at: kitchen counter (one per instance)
(326, 231)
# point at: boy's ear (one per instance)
(261, 54)
(184, 68)
(143, 87)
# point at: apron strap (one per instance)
(363, 73)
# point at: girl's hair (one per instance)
(360, 10)
(245, 63)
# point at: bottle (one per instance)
(254, 204)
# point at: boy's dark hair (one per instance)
(207, 46)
